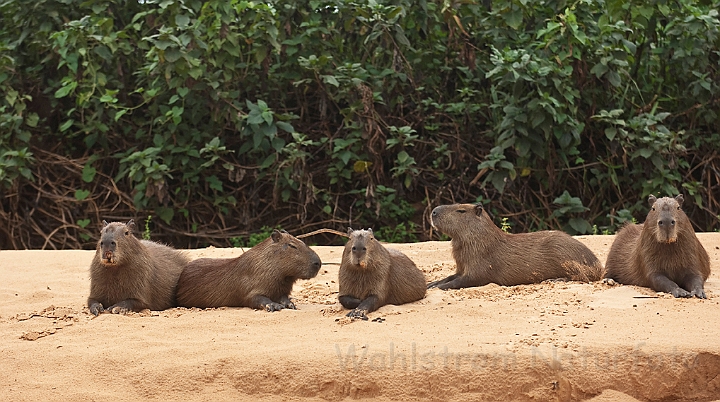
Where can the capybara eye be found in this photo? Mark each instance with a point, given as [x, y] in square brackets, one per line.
[653, 208]
[293, 246]
[462, 211]
[127, 233]
[354, 248]
[678, 208]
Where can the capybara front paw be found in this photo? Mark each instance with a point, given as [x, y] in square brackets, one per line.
[358, 314]
[274, 307]
[96, 308]
[680, 292]
[287, 303]
[699, 293]
[117, 310]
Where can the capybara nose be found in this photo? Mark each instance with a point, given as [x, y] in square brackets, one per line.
[666, 222]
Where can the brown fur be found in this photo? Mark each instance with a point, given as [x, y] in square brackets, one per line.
[261, 278]
[663, 253]
[128, 274]
[372, 276]
[485, 254]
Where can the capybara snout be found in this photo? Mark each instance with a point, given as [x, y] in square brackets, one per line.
[667, 212]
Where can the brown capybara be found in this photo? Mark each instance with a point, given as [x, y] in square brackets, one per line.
[662, 254]
[485, 254]
[260, 278]
[372, 276]
[128, 274]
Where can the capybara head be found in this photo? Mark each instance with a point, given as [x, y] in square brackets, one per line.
[294, 254]
[356, 247]
[110, 235]
[663, 218]
[457, 220]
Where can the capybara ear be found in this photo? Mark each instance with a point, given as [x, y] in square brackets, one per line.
[350, 230]
[652, 200]
[276, 236]
[284, 231]
[478, 209]
[104, 224]
[131, 225]
[679, 198]
[370, 231]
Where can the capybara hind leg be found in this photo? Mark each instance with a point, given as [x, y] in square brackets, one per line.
[695, 284]
[661, 283]
[95, 307]
[368, 305]
[261, 302]
[461, 282]
[441, 281]
[126, 306]
[349, 302]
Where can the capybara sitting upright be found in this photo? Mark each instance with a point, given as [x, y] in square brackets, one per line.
[261, 278]
[372, 276]
[663, 253]
[485, 254]
[128, 274]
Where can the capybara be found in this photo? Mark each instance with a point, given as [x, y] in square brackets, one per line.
[128, 274]
[372, 276]
[485, 254]
[662, 254]
[260, 278]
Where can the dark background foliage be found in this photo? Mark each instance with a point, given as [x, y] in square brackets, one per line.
[220, 119]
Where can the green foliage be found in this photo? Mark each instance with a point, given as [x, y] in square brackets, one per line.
[401, 233]
[224, 114]
[146, 232]
[254, 238]
[505, 226]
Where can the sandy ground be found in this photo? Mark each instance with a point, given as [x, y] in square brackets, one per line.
[552, 341]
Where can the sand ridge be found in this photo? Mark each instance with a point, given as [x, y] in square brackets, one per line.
[549, 341]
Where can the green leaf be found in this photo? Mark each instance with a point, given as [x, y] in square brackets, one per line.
[330, 79]
[120, 113]
[32, 119]
[580, 225]
[287, 127]
[599, 69]
[214, 183]
[83, 223]
[614, 78]
[513, 18]
[88, 173]
[182, 20]
[103, 52]
[268, 161]
[610, 133]
[81, 194]
[164, 213]
[66, 125]
[65, 90]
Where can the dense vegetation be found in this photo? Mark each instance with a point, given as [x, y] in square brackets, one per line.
[224, 118]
